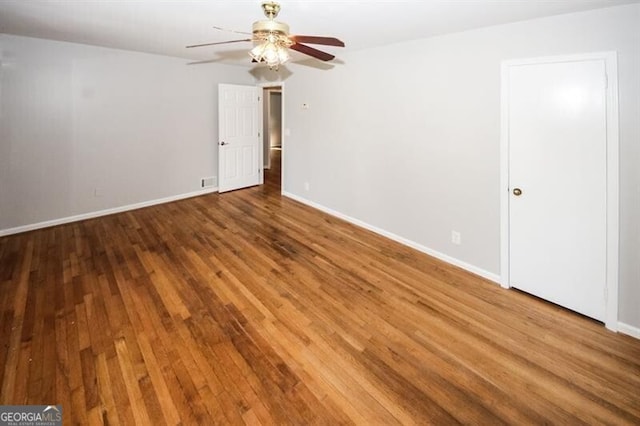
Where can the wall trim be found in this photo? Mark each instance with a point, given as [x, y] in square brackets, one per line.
[441, 256]
[629, 330]
[92, 215]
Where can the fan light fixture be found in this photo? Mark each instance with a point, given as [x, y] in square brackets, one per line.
[271, 37]
[272, 40]
[272, 49]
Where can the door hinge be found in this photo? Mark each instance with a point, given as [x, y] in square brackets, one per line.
[258, 98]
[606, 81]
[258, 134]
[606, 294]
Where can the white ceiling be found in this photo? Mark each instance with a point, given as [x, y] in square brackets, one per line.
[166, 27]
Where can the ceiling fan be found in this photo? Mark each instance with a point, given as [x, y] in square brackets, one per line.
[272, 40]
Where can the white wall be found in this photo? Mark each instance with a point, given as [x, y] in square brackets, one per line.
[85, 128]
[406, 137]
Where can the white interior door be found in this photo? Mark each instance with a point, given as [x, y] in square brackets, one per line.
[557, 154]
[239, 144]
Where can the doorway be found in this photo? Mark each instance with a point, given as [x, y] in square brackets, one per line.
[273, 135]
[559, 201]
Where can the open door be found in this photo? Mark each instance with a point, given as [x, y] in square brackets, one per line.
[239, 139]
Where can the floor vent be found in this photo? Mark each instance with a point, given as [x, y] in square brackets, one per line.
[208, 182]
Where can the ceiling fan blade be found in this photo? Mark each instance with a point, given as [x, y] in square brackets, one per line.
[220, 42]
[231, 31]
[328, 41]
[308, 50]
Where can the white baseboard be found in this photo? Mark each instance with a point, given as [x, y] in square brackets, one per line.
[629, 330]
[445, 258]
[91, 215]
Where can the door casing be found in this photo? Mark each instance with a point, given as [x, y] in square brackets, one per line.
[612, 203]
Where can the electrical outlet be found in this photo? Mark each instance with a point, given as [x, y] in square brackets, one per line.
[456, 238]
[306, 186]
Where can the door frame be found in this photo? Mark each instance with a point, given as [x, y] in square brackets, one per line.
[266, 113]
[284, 132]
[612, 208]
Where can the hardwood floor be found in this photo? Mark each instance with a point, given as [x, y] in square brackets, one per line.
[248, 307]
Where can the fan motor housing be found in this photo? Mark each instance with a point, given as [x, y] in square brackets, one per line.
[269, 26]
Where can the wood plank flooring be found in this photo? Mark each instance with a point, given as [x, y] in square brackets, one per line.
[250, 308]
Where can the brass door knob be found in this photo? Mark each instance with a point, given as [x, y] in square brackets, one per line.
[517, 192]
